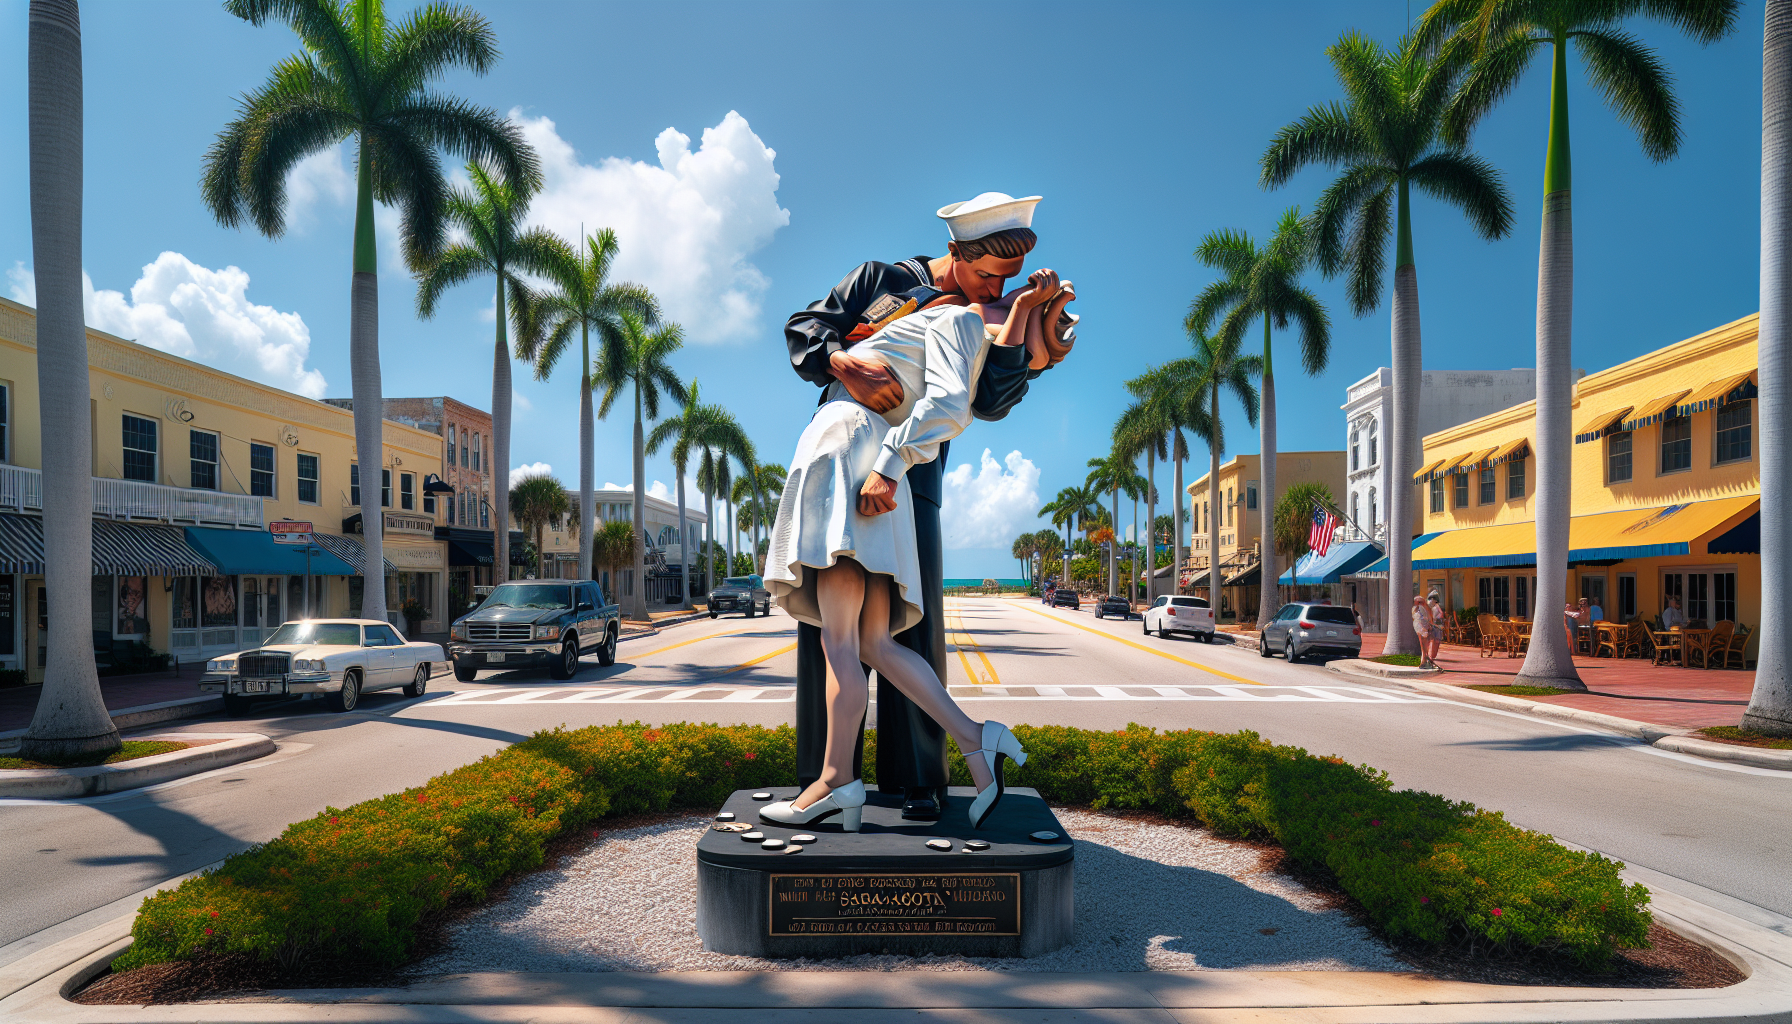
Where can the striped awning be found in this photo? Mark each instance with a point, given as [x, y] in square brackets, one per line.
[1721, 391]
[1425, 475]
[1601, 425]
[1650, 413]
[119, 549]
[1518, 449]
[1478, 460]
[348, 549]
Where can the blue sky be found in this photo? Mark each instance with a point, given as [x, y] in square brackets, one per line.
[1140, 123]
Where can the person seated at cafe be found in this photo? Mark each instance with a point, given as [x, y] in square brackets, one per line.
[1597, 612]
[1671, 616]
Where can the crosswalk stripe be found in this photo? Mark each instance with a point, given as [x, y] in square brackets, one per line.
[1215, 692]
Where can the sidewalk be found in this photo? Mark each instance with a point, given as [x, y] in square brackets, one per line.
[18, 703]
[1633, 688]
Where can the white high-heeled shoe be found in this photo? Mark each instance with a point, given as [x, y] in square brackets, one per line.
[848, 802]
[998, 745]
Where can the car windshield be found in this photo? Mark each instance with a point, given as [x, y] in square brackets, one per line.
[527, 595]
[1188, 602]
[738, 581]
[321, 634]
[1321, 613]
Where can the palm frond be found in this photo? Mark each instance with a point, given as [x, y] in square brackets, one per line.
[1324, 135]
[1636, 85]
[1472, 185]
[456, 264]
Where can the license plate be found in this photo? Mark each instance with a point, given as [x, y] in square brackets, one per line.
[255, 686]
[1331, 632]
[495, 658]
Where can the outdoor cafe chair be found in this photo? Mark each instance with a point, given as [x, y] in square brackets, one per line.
[1716, 641]
[1493, 634]
[1735, 654]
[1617, 640]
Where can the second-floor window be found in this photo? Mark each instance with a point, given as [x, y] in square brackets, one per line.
[1228, 506]
[139, 448]
[407, 491]
[485, 515]
[1487, 485]
[1461, 488]
[1515, 480]
[1733, 432]
[5, 422]
[354, 484]
[308, 484]
[385, 488]
[1250, 496]
[1355, 463]
[1372, 444]
[261, 470]
[1437, 494]
[202, 453]
[478, 450]
[1617, 458]
[451, 444]
[1676, 444]
[1372, 511]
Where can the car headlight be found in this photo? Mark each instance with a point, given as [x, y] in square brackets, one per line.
[547, 632]
[308, 665]
[458, 631]
[221, 665]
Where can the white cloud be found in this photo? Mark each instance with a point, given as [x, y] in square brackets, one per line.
[608, 486]
[319, 179]
[519, 402]
[201, 314]
[986, 508]
[658, 489]
[687, 226]
[517, 474]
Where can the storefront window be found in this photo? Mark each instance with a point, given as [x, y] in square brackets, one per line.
[415, 590]
[185, 612]
[132, 610]
[218, 601]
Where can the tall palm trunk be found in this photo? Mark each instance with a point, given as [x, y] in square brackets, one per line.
[1770, 706]
[1176, 518]
[71, 719]
[759, 520]
[1550, 662]
[1267, 598]
[364, 365]
[1064, 580]
[709, 541]
[638, 606]
[684, 544]
[1213, 521]
[587, 448]
[1114, 541]
[1151, 524]
[500, 454]
[1403, 444]
[1133, 569]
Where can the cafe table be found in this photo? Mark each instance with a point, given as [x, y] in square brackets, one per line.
[1670, 644]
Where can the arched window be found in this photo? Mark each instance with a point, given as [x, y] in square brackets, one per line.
[1356, 512]
[477, 450]
[1372, 443]
[451, 444]
[1354, 461]
[1372, 511]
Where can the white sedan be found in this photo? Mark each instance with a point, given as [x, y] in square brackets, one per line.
[339, 658]
[1189, 615]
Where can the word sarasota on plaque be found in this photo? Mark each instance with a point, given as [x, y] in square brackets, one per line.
[908, 904]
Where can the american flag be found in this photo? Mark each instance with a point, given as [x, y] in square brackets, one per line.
[1319, 538]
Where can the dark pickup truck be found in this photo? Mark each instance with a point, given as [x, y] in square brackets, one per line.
[740, 594]
[535, 623]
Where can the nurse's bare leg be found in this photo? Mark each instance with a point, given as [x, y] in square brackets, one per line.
[839, 593]
[911, 674]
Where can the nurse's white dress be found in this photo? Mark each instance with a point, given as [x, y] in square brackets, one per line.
[937, 355]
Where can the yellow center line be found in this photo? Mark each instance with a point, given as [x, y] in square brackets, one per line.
[755, 661]
[1143, 647]
[687, 643]
[963, 631]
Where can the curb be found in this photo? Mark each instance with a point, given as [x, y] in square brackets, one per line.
[144, 714]
[34, 990]
[62, 783]
[1759, 757]
[653, 629]
[1364, 666]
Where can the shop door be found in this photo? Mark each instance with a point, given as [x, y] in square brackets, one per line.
[261, 607]
[1593, 589]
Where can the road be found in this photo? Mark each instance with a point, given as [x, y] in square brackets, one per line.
[1714, 832]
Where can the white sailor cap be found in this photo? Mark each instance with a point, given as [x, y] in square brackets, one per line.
[987, 214]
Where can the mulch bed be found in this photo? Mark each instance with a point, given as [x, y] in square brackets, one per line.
[1671, 961]
[1739, 738]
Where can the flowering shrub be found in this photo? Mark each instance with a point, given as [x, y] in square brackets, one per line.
[354, 884]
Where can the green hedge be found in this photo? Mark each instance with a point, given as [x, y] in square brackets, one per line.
[354, 884]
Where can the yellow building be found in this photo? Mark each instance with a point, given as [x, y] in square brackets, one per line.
[1240, 521]
[190, 464]
[1665, 499]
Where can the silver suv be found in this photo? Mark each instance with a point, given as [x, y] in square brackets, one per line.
[1299, 630]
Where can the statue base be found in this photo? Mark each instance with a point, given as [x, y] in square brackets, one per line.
[883, 889]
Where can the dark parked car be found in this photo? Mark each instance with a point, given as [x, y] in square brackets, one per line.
[740, 594]
[535, 623]
[1299, 630]
[1119, 606]
[1064, 597]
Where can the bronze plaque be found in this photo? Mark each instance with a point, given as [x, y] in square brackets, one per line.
[921, 903]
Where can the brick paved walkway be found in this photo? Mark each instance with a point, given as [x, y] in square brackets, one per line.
[1630, 688]
[18, 703]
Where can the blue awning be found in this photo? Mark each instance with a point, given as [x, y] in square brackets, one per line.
[1381, 565]
[254, 553]
[1341, 560]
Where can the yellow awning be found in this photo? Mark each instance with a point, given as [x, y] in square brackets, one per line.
[1450, 464]
[1596, 428]
[1479, 459]
[1633, 533]
[1650, 412]
[1425, 474]
[1714, 392]
[1511, 450]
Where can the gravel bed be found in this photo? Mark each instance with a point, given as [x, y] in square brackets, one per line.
[1149, 897]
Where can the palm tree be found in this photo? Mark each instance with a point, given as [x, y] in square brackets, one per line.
[491, 213]
[714, 478]
[71, 721]
[636, 357]
[1264, 283]
[613, 547]
[539, 502]
[1047, 545]
[769, 479]
[1770, 705]
[584, 301]
[1069, 506]
[1388, 139]
[1114, 474]
[364, 77]
[1495, 41]
[1293, 521]
[688, 432]
[1142, 428]
[1022, 551]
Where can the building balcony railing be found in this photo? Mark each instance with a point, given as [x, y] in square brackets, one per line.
[22, 490]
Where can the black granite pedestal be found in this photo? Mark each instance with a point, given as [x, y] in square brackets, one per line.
[883, 889]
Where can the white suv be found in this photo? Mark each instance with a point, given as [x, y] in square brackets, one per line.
[1168, 615]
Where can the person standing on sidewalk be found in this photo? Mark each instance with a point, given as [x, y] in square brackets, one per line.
[1421, 625]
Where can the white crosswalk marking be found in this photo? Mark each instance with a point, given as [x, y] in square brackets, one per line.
[699, 694]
